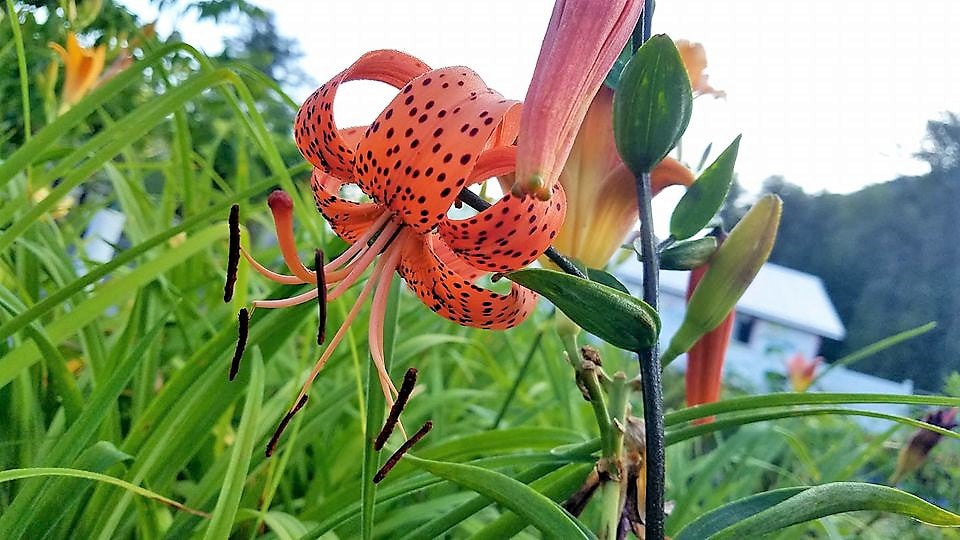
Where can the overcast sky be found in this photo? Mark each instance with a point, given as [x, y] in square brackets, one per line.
[831, 94]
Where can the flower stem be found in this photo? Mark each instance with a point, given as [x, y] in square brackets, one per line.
[650, 377]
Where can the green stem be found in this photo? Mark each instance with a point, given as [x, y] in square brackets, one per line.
[613, 490]
[587, 375]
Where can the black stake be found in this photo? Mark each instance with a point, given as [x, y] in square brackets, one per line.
[395, 457]
[409, 381]
[243, 320]
[321, 296]
[272, 445]
[233, 255]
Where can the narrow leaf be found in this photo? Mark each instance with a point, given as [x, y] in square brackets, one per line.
[532, 506]
[837, 498]
[615, 317]
[704, 198]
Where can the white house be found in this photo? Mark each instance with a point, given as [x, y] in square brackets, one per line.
[783, 312]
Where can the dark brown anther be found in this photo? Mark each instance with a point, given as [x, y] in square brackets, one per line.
[321, 296]
[272, 445]
[233, 256]
[243, 320]
[409, 381]
[404, 448]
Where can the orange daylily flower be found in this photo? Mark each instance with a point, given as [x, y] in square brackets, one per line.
[704, 377]
[695, 60]
[82, 68]
[601, 189]
[444, 131]
[583, 39]
[802, 371]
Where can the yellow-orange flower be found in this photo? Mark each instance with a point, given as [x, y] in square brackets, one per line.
[695, 60]
[82, 68]
[802, 371]
[601, 194]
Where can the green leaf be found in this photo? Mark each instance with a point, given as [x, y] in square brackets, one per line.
[763, 401]
[704, 198]
[606, 278]
[830, 499]
[532, 506]
[728, 515]
[615, 317]
[229, 501]
[688, 255]
[652, 106]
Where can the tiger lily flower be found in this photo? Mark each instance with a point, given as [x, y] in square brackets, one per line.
[82, 69]
[802, 371]
[704, 377]
[445, 130]
[583, 39]
[695, 60]
[601, 189]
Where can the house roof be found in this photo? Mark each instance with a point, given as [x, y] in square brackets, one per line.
[778, 294]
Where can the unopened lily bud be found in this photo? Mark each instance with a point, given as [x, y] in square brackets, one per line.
[732, 269]
[914, 453]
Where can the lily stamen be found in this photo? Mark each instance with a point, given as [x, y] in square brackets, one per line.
[243, 320]
[404, 448]
[233, 255]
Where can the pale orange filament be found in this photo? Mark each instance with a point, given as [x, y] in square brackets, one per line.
[270, 274]
[378, 269]
[356, 269]
[286, 302]
[330, 268]
[377, 311]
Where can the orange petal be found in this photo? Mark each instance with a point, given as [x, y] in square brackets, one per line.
[347, 218]
[419, 153]
[583, 39]
[316, 131]
[509, 235]
[454, 296]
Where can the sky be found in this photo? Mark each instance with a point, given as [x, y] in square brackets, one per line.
[833, 95]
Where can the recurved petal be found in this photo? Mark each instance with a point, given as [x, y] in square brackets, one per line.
[316, 131]
[446, 286]
[420, 152]
[509, 235]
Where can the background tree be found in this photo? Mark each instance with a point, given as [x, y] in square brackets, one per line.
[889, 258]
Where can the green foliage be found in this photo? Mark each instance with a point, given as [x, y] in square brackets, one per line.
[116, 416]
[703, 199]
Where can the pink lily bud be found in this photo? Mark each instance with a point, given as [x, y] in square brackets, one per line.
[583, 39]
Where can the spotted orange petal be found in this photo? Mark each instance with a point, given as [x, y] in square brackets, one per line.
[419, 153]
[434, 277]
[509, 235]
[315, 130]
